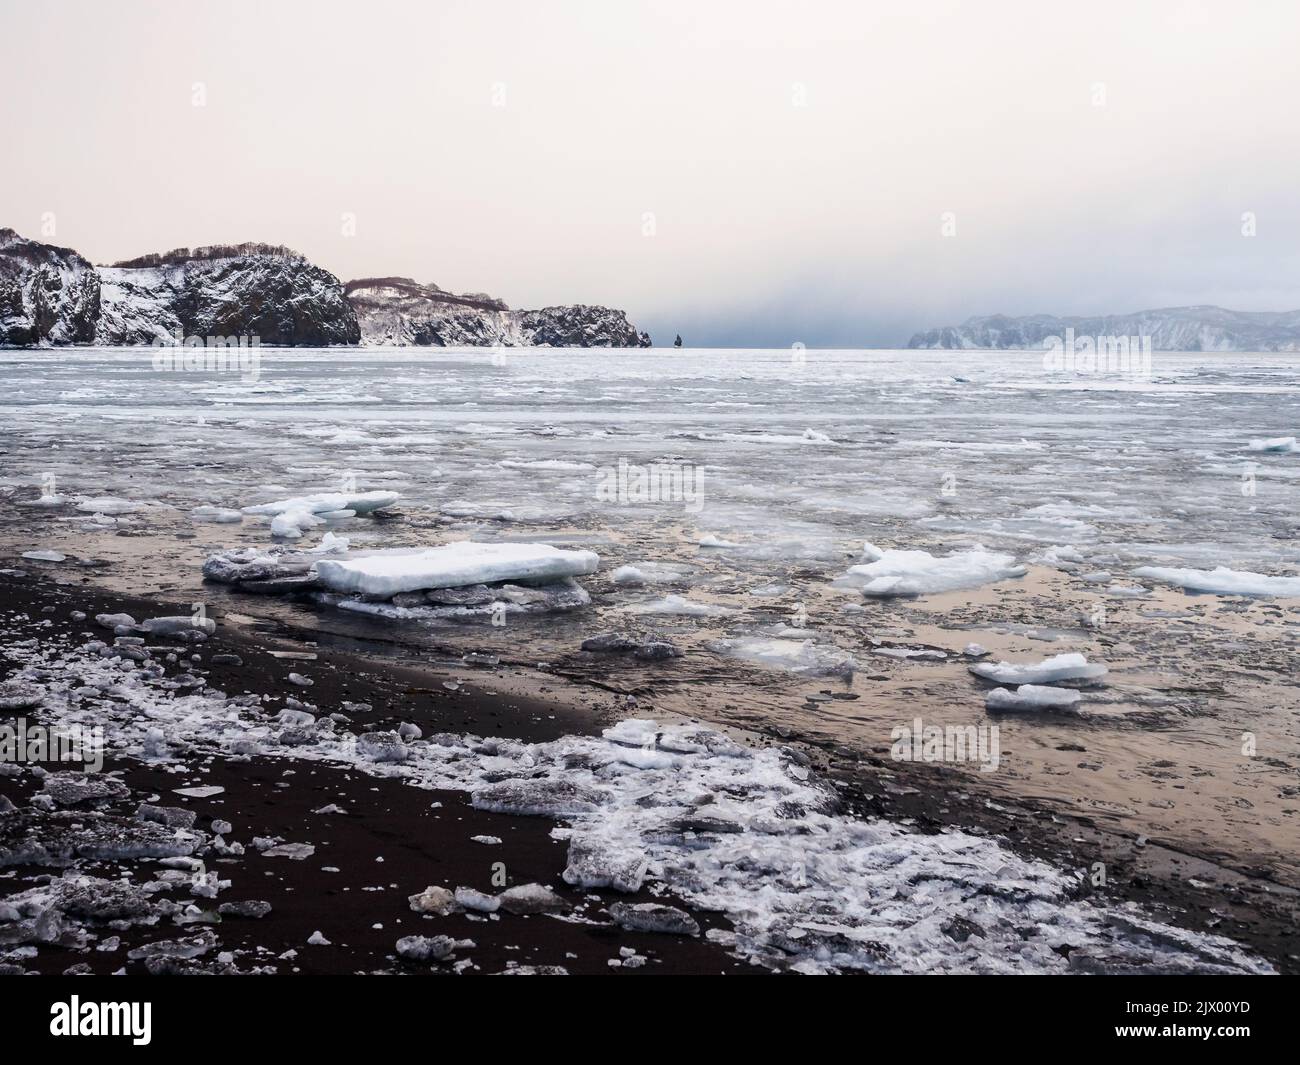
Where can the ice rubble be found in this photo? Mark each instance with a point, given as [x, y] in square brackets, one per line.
[1222, 581]
[895, 573]
[452, 566]
[1031, 697]
[1071, 666]
[746, 832]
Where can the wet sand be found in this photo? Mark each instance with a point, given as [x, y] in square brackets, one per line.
[420, 844]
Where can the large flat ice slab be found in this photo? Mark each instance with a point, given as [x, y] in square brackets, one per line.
[453, 566]
[1222, 581]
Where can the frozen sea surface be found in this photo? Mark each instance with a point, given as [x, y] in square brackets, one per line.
[810, 448]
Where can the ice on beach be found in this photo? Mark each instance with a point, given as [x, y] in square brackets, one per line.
[1222, 581]
[292, 517]
[713, 540]
[217, 515]
[796, 656]
[45, 556]
[1031, 697]
[453, 565]
[1070, 666]
[745, 832]
[1275, 443]
[676, 605]
[898, 573]
[642, 573]
[108, 505]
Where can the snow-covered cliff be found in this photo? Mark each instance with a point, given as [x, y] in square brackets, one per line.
[48, 295]
[1170, 329]
[52, 296]
[399, 311]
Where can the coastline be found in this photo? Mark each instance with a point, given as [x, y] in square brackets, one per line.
[394, 841]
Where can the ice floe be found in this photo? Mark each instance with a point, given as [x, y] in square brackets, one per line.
[292, 517]
[1222, 581]
[1031, 697]
[453, 565]
[796, 656]
[1070, 666]
[898, 573]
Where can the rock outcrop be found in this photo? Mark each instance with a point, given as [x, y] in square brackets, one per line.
[51, 296]
[1171, 329]
[48, 295]
[400, 311]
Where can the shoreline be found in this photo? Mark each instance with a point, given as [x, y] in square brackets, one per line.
[1251, 911]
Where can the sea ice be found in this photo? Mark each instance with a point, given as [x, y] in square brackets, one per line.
[1072, 666]
[894, 573]
[1275, 443]
[679, 606]
[1222, 581]
[452, 565]
[1031, 697]
[45, 556]
[797, 656]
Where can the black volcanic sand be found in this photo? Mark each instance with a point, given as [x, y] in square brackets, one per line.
[393, 841]
[421, 844]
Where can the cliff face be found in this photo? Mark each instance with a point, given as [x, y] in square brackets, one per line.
[399, 311]
[281, 299]
[53, 296]
[48, 295]
[1171, 329]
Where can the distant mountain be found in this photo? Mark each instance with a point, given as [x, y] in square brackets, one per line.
[51, 296]
[398, 310]
[1170, 329]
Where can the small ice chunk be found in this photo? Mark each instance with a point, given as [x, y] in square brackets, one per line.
[1274, 443]
[679, 606]
[896, 573]
[217, 515]
[108, 505]
[538, 798]
[470, 899]
[1031, 697]
[653, 917]
[433, 900]
[200, 791]
[45, 556]
[531, 898]
[1072, 666]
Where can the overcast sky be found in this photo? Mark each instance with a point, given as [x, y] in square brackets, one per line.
[739, 172]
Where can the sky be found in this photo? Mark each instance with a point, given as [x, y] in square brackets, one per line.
[741, 172]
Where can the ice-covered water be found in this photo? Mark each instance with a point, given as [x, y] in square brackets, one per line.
[813, 448]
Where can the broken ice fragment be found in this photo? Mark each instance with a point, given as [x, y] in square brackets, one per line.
[653, 917]
[1073, 666]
